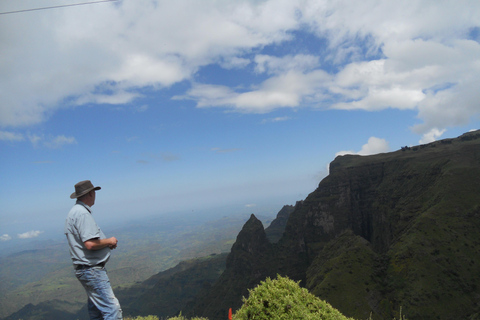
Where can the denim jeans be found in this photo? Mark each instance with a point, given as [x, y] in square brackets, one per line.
[102, 303]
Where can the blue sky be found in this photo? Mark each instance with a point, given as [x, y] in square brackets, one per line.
[180, 106]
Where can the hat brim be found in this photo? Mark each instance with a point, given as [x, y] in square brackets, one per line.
[75, 195]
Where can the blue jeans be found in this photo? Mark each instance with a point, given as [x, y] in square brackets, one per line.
[102, 303]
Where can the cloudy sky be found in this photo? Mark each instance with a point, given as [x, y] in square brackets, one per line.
[175, 106]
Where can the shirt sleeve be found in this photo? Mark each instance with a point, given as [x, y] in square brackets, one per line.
[87, 227]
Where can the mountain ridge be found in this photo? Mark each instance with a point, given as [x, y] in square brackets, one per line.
[388, 231]
[380, 234]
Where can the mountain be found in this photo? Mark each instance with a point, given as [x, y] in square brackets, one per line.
[168, 293]
[53, 309]
[276, 228]
[380, 234]
[33, 277]
[247, 264]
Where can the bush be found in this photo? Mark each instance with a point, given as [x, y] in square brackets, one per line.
[283, 298]
[180, 317]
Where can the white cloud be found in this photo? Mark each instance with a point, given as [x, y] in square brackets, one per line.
[29, 234]
[234, 63]
[60, 141]
[117, 97]
[11, 136]
[373, 146]
[431, 136]
[438, 80]
[387, 21]
[419, 62]
[424, 45]
[35, 139]
[372, 86]
[50, 141]
[127, 45]
[411, 54]
[142, 108]
[276, 119]
[276, 65]
[5, 237]
[282, 91]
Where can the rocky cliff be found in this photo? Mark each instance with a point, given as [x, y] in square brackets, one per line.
[276, 228]
[380, 233]
[248, 263]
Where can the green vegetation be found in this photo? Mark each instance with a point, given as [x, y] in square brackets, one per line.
[278, 299]
[168, 292]
[183, 318]
[156, 318]
[284, 299]
[46, 274]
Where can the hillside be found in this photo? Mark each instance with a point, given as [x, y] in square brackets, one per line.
[40, 280]
[379, 233]
[168, 293]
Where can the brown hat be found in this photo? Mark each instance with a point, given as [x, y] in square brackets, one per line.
[82, 188]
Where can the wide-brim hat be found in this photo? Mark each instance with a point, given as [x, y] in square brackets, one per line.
[82, 188]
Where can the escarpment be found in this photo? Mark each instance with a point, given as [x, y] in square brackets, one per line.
[379, 233]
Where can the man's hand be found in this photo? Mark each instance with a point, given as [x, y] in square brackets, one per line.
[97, 244]
[113, 243]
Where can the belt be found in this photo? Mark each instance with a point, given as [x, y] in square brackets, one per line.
[85, 266]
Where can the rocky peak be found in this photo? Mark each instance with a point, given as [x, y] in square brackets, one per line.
[251, 242]
[277, 227]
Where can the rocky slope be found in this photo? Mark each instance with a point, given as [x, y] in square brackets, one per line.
[380, 233]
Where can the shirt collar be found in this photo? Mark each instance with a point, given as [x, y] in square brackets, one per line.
[83, 204]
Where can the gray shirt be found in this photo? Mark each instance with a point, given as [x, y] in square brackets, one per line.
[80, 227]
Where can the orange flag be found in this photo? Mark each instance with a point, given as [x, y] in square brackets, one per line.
[230, 314]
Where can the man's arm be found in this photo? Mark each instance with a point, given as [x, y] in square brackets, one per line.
[97, 244]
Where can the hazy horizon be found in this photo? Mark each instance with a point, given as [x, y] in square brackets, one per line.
[174, 106]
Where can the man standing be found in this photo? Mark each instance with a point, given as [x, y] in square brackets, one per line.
[90, 251]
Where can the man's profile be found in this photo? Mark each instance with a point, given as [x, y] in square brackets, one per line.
[90, 251]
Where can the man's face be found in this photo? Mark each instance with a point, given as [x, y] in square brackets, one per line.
[93, 195]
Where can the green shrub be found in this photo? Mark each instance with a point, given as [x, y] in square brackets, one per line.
[279, 299]
[283, 298]
[180, 317]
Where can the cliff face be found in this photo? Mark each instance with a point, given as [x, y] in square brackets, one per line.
[382, 232]
[376, 197]
[248, 263]
[277, 227]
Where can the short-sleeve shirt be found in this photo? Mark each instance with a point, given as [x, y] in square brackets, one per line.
[80, 227]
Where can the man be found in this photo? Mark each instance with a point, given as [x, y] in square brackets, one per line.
[90, 251]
